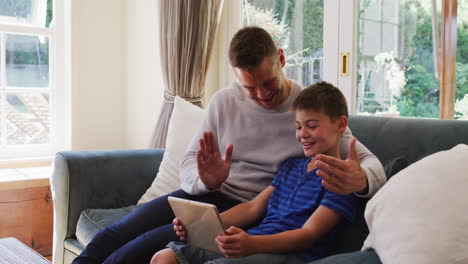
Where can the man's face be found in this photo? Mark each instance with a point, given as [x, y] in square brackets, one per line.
[318, 133]
[265, 84]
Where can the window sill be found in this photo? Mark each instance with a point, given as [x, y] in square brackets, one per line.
[21, 178]
[45, 161]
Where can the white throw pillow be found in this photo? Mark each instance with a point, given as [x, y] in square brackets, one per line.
[185, 121]
[421, 214]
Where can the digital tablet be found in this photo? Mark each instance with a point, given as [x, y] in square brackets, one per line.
[201, 221]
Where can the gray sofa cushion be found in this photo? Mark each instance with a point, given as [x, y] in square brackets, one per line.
[72, 249]
[93, 220]
[73, 246]
[395, 165]
[412, 138]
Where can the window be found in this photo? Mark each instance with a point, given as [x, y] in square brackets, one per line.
[297, 27]
[28, 89]
[396, 68]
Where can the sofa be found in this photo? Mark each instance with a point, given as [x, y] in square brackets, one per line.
[112, 181]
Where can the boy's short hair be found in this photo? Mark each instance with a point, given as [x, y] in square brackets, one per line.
[250, 46]
[322, 97]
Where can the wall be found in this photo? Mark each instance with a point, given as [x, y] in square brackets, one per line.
[145, 84]
[117, 84]
[220, 73]
[98, 113]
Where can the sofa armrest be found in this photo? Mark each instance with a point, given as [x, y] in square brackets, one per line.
[98, 179]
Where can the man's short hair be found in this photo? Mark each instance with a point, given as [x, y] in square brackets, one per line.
[250, 46]
[322, 97]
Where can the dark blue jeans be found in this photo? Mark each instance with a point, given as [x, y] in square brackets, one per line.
[357, 257]
[143, 232]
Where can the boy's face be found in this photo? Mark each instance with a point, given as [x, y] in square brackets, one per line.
[318, 133]
[266, 84]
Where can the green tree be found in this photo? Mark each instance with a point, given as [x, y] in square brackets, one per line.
[462, 80]
[313, 25]
[420, 96]
[312, 20]
[49, 13]
[285, 11]
[462, 41]
[462, 60]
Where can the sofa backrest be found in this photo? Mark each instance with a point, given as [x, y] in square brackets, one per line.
[413, 138]
[390, 138]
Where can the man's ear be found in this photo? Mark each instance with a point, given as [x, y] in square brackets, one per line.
[282, 58]
[342, 123]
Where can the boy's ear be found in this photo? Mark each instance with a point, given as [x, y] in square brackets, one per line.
[342, 123]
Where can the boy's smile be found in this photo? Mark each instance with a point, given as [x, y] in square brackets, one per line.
[307, 145]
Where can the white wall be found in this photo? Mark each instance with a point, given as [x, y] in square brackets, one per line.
[220, 73]
[145, 84]
[117, 84]
[98, 118]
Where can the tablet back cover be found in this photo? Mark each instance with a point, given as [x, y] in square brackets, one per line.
[201, 220]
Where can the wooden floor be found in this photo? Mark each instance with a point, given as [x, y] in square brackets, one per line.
[26, 213]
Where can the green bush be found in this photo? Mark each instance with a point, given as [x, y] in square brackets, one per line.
[422, 87]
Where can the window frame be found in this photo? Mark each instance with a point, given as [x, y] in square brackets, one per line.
[447, 60]
[58, 88]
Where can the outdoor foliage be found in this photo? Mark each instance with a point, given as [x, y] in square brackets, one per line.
[296, 29]
[462, 59]
[27, 57]
[312, 22]
[268, 20]
[420, 96]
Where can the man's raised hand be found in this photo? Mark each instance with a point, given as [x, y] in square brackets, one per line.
[212, 169]
[342, 176]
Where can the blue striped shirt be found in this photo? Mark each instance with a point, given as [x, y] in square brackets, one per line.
[297, 195]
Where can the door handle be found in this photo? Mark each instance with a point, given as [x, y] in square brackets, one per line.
[344, 64]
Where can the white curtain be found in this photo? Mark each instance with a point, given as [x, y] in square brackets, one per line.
[187, 33]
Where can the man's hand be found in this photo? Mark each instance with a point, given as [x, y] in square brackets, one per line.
[342, 176]
[180, 229]
[235, 244]
[212, 169]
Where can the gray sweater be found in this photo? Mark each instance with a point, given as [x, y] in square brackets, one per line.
[263, 139]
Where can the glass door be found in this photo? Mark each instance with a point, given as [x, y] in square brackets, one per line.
[397, 58]
[380, 53]
[297, 26]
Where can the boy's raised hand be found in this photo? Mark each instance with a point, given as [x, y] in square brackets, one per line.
[212, 169]
[235, 244]
[342, 176]
[180, 229]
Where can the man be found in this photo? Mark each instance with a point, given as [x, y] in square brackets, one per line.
[253, 116]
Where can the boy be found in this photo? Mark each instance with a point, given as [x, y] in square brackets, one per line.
[300, 215]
